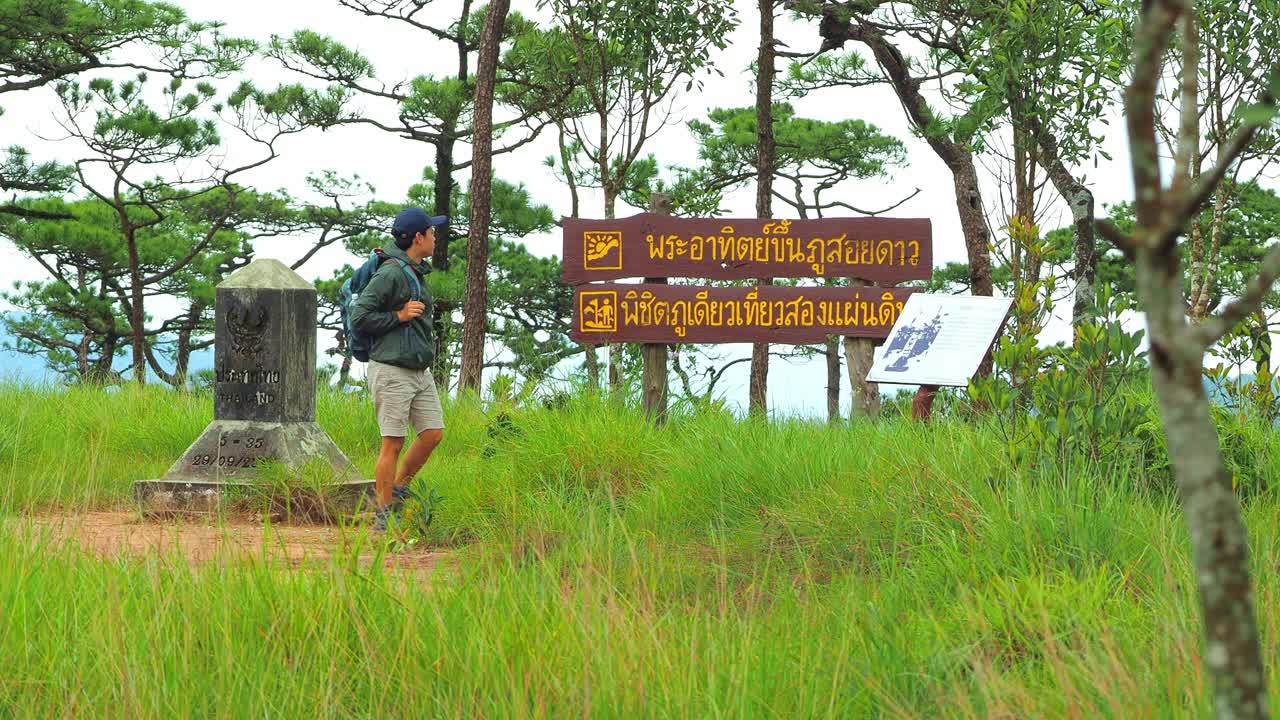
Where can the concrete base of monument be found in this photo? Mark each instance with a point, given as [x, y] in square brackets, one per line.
[170, 497]
[264, 464]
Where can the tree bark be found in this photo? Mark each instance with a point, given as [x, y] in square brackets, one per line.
[832, 353]
[344, 372]
[653, 386]
[1219, 540]
[182, 363]
[475, 306]
[615, 349]
[836, 29]
[137, 318]
[922, 403]
[859, 353]
[766, 159]
[592, 363]
[1080, 199]
[442, 309]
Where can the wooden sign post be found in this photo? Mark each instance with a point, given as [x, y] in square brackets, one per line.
[656, 246]
[940, 341]
[653, 385]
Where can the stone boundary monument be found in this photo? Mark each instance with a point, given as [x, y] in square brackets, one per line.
[265, 396]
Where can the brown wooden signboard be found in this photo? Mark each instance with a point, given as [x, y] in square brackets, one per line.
[650, 313]
[883, 250]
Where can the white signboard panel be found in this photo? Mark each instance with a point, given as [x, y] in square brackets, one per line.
[939, 340]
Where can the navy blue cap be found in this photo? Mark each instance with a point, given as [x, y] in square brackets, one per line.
[411, 221]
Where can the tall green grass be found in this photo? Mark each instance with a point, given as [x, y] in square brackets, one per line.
[708, 568]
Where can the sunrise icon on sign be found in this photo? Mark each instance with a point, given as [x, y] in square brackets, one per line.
[602, 250]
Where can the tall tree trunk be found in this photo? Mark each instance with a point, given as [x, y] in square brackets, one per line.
[837, 28]
[104, 368]
[653, 386]
[766, 159]
[82, 355]
[1203, 283]
[832, 352]
[183, 356]
[475, 306]
[344, 372]
[859, 354]
[1080, 199]
[441, 310]
[1219, 540]
[1024, 189]
[615, 349]
[592, 364]
[137, 318]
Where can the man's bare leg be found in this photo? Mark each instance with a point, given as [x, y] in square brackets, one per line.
[419, 452]
[384, 472]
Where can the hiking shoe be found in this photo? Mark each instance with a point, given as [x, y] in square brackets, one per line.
[380, 518]
[399, 495]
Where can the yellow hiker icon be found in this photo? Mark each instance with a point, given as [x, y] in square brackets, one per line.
[598, 311]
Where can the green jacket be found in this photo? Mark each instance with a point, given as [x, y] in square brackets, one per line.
[408, 345]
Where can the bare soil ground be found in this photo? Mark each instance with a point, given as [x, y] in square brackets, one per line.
[200, 541]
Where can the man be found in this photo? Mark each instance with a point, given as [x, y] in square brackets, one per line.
[392, 310]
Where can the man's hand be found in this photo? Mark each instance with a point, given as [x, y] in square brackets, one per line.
[411, 310]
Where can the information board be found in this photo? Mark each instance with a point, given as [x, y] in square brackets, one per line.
[939, 340]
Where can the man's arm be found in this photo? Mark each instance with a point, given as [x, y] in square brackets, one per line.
[371, 314]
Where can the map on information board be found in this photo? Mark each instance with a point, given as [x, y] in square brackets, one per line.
[939, 340]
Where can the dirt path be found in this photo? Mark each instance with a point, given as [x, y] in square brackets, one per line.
[112, 534]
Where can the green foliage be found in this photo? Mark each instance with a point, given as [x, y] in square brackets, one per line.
[1063, 408]
[652, 44]
[325, 52]
[430, 108]
[828, 70]
[1052, 62]
[1249, 225]
[627, 59]
[1255, 397]
[48, 40]
[694, 192]
[19, 173]
[540, 74]
[705, 569]
[813, 156]
[75, 318]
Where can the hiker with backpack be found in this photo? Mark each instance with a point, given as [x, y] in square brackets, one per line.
[390, 326]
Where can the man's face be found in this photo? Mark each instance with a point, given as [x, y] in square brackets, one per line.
[428, 240]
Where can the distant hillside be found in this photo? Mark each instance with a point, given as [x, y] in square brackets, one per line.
[31, 368]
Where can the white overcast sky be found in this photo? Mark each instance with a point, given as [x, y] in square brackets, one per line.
[392, 164]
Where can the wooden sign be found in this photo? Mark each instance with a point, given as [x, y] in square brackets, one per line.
[651, 313]
[883, 250]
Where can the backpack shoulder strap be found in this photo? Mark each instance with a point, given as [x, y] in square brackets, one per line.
[415, 288]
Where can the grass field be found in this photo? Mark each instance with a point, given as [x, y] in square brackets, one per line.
[709, 568]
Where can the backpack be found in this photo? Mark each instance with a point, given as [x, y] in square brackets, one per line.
[358, 343]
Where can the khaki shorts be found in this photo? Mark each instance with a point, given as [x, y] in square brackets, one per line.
[402, 396]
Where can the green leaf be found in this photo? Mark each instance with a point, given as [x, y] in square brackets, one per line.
[1258, 114]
